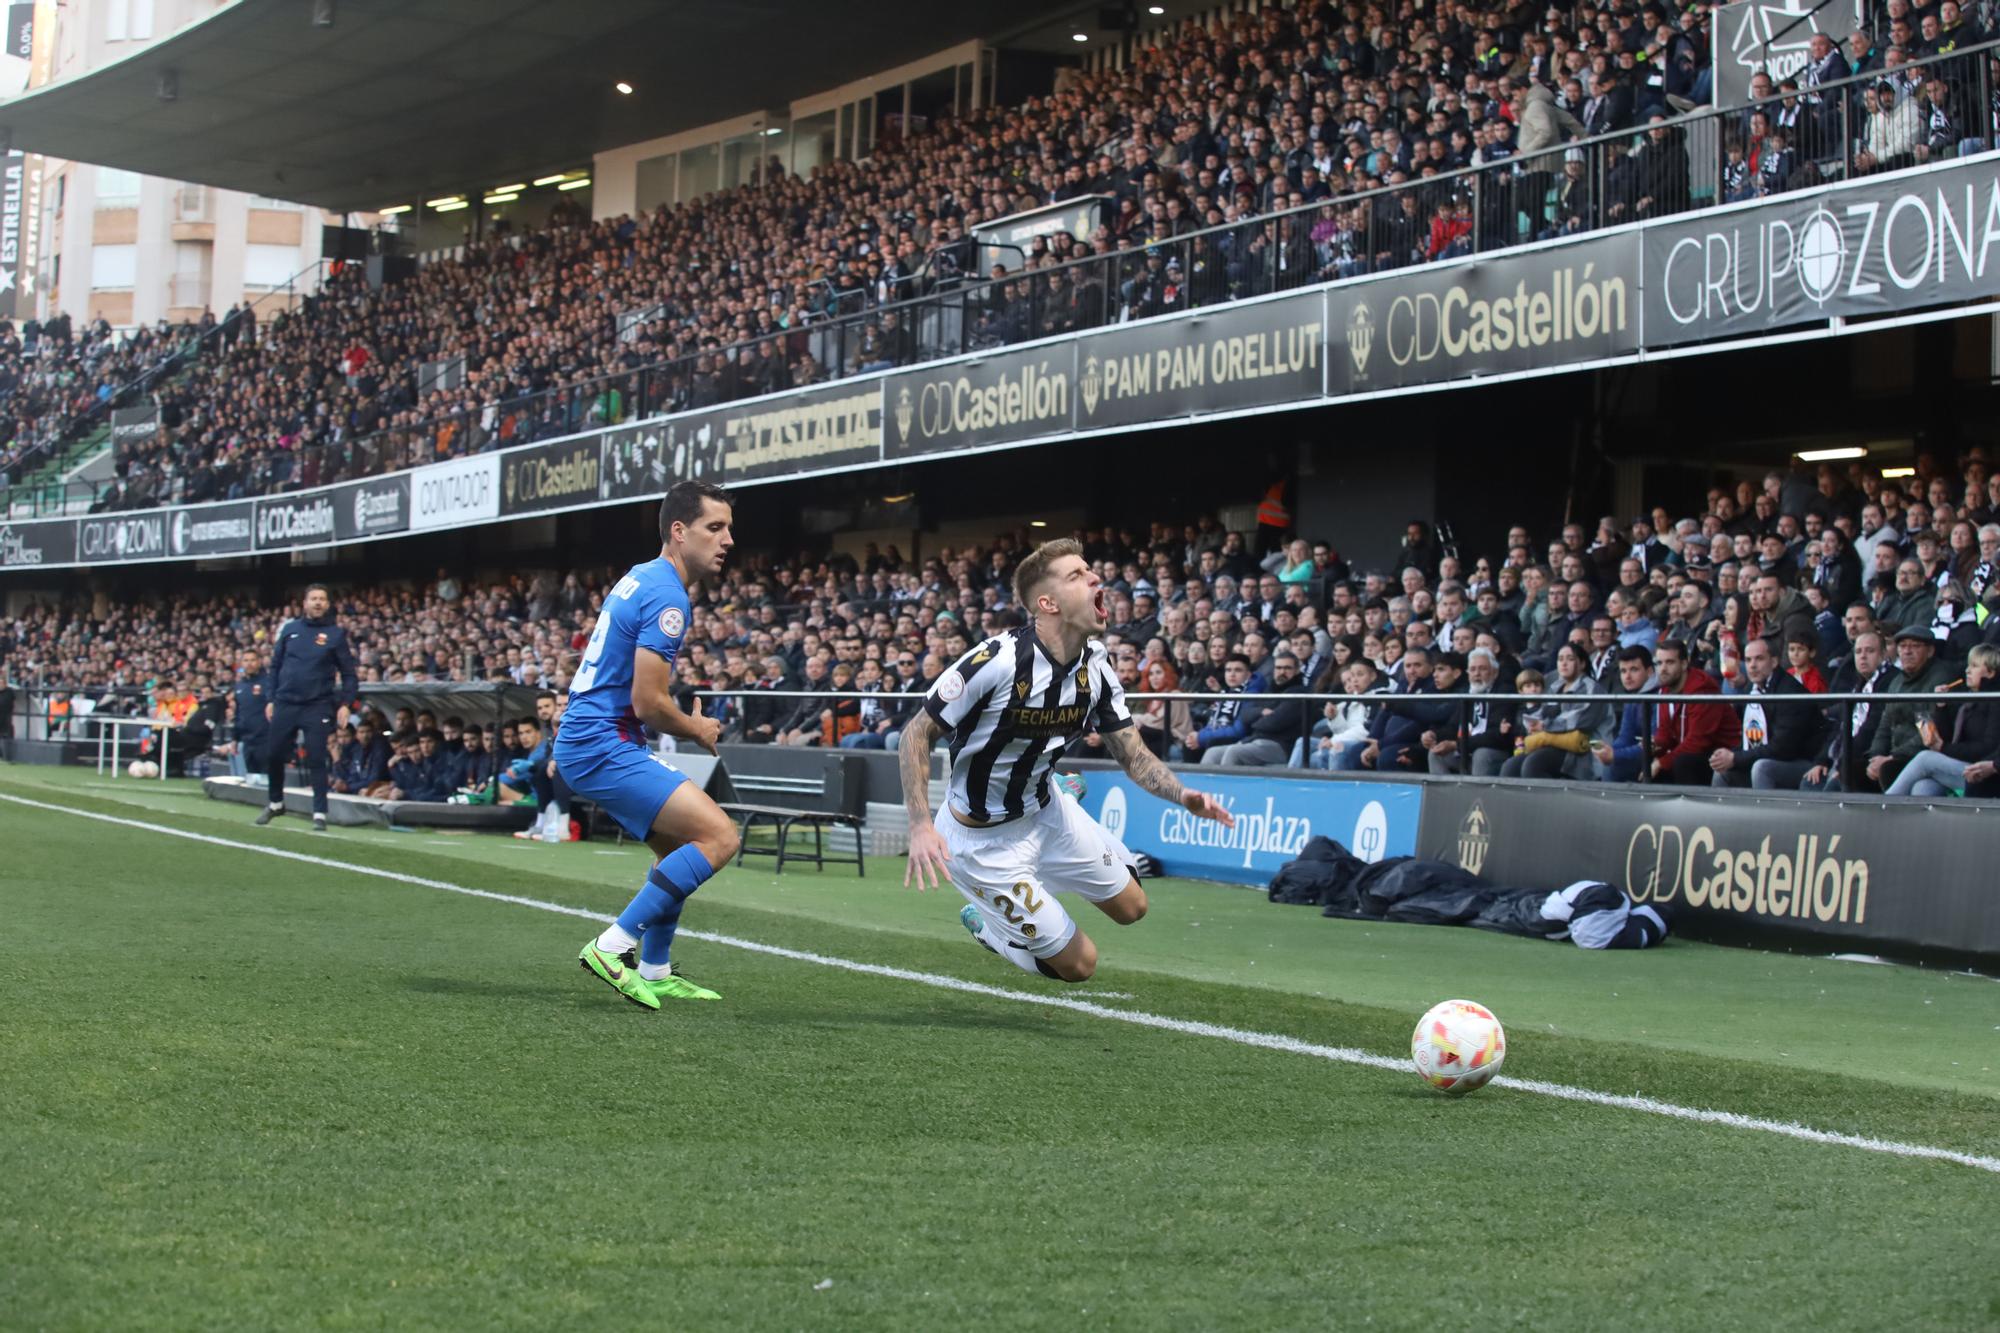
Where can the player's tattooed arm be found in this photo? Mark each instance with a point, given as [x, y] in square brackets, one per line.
[1145, 768]
[929, 866]
[915, 757]
[1143, 765]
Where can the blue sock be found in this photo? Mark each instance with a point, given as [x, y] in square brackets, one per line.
[645, 908]
[678, 874]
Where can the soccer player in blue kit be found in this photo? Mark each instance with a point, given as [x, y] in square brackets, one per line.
[622, 688]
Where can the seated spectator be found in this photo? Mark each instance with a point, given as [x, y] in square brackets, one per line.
[1686, 734]
[1340, 736]
[1902, 734]
[1161, 721]
[1481, 739]
[1227, 721]
[1620, 757]
[1396, 733]
[1273, 721]
[1962, 749]
[1778, 726]
[1559, 733]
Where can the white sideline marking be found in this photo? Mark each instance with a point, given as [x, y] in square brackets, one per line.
[1269, 1041]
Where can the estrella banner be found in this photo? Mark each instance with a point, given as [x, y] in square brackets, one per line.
[1275, 817]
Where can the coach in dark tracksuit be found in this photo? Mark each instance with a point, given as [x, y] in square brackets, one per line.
[312, 675]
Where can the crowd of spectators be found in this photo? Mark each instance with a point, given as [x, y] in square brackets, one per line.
[1269, 111]
[1803, 583]
[53, 379]
[783, 282]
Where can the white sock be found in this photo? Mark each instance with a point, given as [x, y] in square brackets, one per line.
[275, 805]
[654, 971]
[617, 940]
[1014, 954]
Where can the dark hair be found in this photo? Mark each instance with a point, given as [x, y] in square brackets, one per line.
[1674, 646]
[312, 588]
[683, 504]
[1636, 653]
[1235, 658]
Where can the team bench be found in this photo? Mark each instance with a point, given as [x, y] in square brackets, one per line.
[784, 820]
[783, 791]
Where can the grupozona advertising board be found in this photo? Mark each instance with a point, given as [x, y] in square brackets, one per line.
[1879, 246]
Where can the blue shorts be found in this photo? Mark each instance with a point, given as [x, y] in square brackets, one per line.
[626, 781]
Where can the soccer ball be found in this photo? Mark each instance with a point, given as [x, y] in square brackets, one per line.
[1071, 783]
[136, 769]
[1458, 1047]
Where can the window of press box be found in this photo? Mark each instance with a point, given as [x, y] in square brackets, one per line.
[699, 168]
[813, 141]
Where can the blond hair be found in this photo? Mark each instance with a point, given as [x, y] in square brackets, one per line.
[1032, 572]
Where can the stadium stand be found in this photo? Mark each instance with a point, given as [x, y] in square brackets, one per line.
[1278, 117]
[1804, 565]
[1240, 160]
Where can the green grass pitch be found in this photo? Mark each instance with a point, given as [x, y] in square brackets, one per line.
[238, 1091]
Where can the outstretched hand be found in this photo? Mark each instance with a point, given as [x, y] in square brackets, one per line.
[928, 854]
[1201, 804]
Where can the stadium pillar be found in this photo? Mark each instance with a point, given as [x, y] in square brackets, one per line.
[1361, 497]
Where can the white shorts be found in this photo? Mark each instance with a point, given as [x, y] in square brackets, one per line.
[1011, 873]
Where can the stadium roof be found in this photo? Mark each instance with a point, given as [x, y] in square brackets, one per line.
[400, 98]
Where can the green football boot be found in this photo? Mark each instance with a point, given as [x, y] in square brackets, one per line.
[623, 979]
[674, 986]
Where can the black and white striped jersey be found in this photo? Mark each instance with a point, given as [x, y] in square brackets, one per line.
[1012, 710]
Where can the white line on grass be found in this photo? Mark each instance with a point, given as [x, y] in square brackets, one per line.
[1269, 1041]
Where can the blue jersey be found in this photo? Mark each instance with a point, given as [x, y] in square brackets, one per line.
[647, 610]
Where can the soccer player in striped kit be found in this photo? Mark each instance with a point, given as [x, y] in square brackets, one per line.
[1011, 839]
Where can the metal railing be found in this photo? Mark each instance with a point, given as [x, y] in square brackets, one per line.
[1603, 696]
[1702, 159]
[1829, 705]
